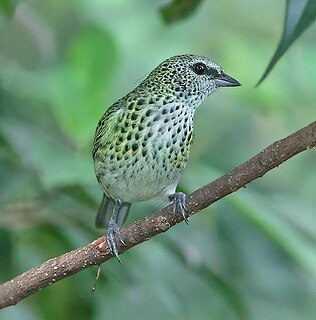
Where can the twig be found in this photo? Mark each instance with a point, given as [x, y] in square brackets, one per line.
[97, 251]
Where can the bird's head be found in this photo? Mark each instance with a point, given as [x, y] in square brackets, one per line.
[188, 76]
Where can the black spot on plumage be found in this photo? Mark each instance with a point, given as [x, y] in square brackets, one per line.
[133, 116]
[134, 146]
[156, 118]
[136, 135]
[126, 148]
[164, 111]
[129, 136]
[168, 144]
[179, 129]
[148, 112]
[141, 127]
[141, 102]
[144, 152]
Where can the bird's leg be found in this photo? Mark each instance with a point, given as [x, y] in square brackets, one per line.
[178, 200]
[113, 233]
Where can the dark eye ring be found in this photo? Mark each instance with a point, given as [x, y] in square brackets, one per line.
[200, 68]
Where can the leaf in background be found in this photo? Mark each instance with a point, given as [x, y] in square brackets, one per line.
[299, 15]
[8, 7]
[281, 233]
[5, 254]
[179, 9]
[54, 163]
[79, 86]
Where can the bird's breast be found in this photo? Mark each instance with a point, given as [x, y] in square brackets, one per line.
[149, 154]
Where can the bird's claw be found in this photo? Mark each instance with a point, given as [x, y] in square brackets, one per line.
[178, 200]
[114, 234]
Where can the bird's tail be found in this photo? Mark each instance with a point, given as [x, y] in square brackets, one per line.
[105, 212]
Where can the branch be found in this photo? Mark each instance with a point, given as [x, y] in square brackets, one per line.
[97, 252]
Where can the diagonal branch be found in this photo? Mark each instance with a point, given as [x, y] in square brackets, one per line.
[97, 251]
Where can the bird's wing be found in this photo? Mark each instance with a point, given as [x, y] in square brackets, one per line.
[105, 128]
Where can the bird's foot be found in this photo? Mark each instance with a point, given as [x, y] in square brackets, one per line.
[113, 234]
[178, 200]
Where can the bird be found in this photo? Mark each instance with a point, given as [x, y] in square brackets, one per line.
[142, 141]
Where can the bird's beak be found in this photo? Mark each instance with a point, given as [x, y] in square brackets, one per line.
[224, 80]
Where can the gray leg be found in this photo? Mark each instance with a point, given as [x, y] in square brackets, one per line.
[113, 233]
[178, 200]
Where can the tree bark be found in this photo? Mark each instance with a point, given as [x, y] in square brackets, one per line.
[97, 252]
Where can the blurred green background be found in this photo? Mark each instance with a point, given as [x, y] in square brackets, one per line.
[250, 256]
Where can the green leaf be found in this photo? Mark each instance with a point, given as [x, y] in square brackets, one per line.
[54, 163]
[282, 234]
[79, 87]
[8, 7]
[299, 15]
[5, 254]
[179, 9]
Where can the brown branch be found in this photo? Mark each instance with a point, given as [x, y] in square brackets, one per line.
[97, 251]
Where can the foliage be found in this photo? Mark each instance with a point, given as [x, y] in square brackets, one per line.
[251, 256]
[299, 15]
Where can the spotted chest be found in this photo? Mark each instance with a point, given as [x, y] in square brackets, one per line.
[150, 149]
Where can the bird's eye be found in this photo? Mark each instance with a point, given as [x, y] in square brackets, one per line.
[200, 68]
